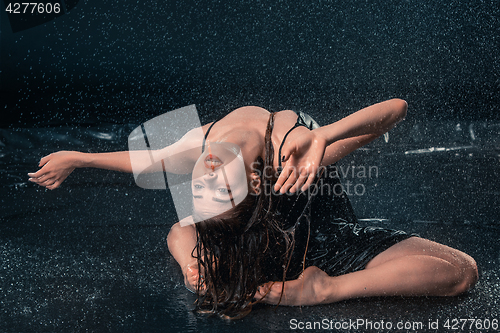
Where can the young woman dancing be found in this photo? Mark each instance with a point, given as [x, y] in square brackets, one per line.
[289, 236]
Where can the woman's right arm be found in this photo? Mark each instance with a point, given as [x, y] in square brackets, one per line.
[56, 167]
[176, 158]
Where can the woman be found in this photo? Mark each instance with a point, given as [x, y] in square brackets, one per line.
[242, 250]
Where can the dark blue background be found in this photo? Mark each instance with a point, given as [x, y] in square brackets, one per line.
[125, 62]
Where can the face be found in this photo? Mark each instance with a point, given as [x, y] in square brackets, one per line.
[219, 180]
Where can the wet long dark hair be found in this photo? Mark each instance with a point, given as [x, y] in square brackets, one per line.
[238, 250]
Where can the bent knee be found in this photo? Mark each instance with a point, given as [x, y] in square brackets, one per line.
[468, 275]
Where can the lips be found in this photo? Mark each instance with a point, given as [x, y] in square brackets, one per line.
[212, 162]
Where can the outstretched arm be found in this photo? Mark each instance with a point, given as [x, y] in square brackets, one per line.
[56, 167]
[177, 158]
[305, 150]
[360, 128]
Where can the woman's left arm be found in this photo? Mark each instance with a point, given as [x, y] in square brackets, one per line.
[374, 120]
[306, 150]
[358, 129]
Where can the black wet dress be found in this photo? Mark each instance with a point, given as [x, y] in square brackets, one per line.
[325, 228]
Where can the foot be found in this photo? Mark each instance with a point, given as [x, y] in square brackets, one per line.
[306, 290]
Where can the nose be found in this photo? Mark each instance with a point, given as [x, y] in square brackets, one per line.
[210, 176]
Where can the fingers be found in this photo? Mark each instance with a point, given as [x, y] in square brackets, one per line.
[38, 174]
[309, 181]
[285, 173]
[291, 177]
[42, 174]
[50, 183]
[287, 151]
[42, 179]
[44, 160]
[47, 179]
[52, 172]
[290, 180]
[54, 186]
[304, 175]
[193, 278]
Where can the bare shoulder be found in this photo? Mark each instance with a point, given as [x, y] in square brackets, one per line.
[249, 111]
[245, 119]
[251, 108]
[256, 113]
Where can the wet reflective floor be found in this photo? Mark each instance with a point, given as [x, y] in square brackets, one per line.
[92, 255]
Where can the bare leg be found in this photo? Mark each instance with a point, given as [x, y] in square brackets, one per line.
[413, 267]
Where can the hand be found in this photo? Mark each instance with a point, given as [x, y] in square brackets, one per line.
[55, 168]
[303, 154]
[306, 290]
[191, 277]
